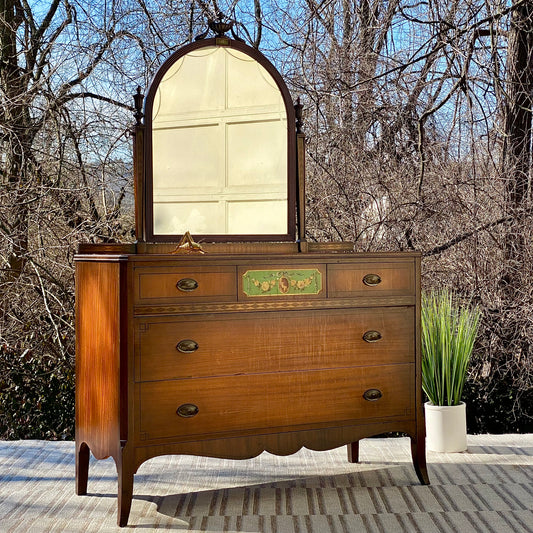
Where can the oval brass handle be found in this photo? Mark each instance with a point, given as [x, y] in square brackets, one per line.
[372, 395]
[371, 280]
[187, 410]
[187, 346]
[372, 336]
[187, 284]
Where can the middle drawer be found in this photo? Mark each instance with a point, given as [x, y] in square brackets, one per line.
[215, 345]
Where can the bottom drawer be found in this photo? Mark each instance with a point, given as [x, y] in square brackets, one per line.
[261, 401]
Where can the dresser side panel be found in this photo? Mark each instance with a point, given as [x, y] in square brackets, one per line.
[98, 357]
[420, 421]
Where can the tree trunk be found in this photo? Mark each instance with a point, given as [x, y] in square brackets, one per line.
[17, 137]
[518, 137]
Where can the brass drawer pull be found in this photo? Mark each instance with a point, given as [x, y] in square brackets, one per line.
[372, 395]
[187, 410]
[372, 336]
[187, 346]
[187, 285]
[371, 280]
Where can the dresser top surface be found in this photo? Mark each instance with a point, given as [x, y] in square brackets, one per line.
[273, 253]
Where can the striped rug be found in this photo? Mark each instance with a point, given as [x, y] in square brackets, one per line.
[487, 489]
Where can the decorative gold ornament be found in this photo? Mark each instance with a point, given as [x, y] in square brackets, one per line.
[188, 246]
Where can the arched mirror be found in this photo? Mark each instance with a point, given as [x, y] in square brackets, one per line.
[219, 156]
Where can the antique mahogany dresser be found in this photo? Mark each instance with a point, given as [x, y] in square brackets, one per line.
[244, 337]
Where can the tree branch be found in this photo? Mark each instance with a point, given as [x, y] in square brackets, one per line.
[85, 94]
[460, 238]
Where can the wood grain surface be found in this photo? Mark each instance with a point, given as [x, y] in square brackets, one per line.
[272, 342]
[98, 361]
[270, 373]
[274, 400]
[345, 280]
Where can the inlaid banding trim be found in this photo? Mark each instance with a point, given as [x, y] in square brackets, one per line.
[267, 304]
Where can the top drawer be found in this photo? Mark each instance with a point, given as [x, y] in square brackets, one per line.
[367, 279]
[172, 284]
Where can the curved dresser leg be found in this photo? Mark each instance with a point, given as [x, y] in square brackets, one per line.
[82, 468]
[353, 452]
[418, 452]
[125, 490]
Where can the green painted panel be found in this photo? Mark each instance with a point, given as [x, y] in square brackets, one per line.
[281, 282]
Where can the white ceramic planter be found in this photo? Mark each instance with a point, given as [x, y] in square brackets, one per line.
[445, 427]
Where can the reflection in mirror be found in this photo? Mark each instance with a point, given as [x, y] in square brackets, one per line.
[219, 138]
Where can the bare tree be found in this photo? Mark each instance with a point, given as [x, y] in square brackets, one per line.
[67, 72]
[418, 124]
[418, 120]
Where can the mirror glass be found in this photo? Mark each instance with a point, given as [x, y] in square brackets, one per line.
[219, 147]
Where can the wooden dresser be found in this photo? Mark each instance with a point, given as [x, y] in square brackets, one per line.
[247, 341]
[228, 356]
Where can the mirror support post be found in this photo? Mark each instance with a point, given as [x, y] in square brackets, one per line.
[138, 167]
[300, 151]
[138, 181]
[300, 157]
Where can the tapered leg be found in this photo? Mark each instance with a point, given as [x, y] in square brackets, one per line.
[353, 452]
[82, 468]
[418, 452]
[125, 491]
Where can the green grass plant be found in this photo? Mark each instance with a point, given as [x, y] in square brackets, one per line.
[449, 330]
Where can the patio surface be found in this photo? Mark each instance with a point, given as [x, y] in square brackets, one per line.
[489, 488]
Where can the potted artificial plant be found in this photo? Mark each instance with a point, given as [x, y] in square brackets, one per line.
[448, 333]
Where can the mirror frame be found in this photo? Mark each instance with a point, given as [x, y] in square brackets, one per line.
[146, 200]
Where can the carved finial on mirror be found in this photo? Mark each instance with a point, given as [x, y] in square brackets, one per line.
[188, 246]
[138, 98]
[219, 26]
